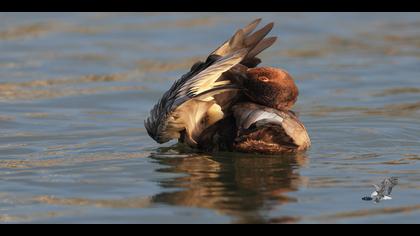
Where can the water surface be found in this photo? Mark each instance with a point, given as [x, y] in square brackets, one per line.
[76, 87]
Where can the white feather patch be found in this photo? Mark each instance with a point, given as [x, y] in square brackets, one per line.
[264, 115]
[374, 194]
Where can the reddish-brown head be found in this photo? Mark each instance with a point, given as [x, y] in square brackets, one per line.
[271, 87]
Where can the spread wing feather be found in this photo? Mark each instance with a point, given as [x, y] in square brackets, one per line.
[187, 89]
[244, 39]
[184, 106]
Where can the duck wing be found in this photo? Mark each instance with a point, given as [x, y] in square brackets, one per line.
[266, 130]
[255, 42]
[186, 103]
[189, 105]
[389, 183]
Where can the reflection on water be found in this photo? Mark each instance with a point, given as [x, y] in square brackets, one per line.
[76, 87]
[242, 186]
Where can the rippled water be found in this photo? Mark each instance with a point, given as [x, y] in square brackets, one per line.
[76, 87]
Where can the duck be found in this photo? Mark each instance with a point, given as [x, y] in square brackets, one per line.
[229, 103]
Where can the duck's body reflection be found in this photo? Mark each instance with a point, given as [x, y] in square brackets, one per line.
[244, 188]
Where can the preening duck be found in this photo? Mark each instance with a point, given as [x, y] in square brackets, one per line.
[227, 103]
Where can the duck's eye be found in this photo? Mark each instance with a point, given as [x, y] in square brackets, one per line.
[263, 79]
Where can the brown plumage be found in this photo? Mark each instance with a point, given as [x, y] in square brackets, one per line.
[228, 104]
[256, 129]
[271, 87]
[266, 130]
[189, 106]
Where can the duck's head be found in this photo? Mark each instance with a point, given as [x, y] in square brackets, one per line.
[271, 87]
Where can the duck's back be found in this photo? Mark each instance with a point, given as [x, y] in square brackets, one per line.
[256, 129]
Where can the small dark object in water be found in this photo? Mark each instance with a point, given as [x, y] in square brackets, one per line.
[367, 198]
